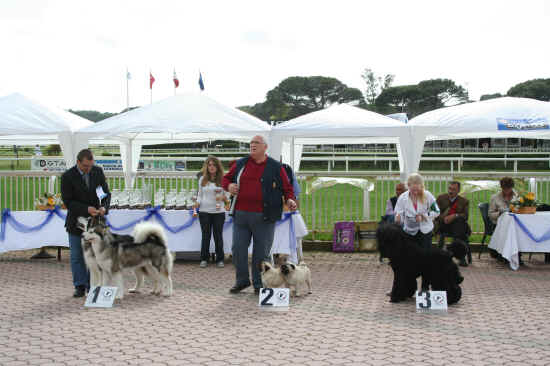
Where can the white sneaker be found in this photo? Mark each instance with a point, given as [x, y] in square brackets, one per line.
[203, 264]
[220, 265]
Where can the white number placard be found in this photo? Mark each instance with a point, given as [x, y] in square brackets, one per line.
[431, 300]
[101, 297]
[274, 297]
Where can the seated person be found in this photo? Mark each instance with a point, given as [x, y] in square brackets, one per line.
[499, 204]
[453, 220]
[390, 204]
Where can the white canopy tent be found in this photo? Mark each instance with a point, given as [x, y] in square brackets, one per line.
[24, 121]
[342, 124]
[187, 117]
[500, 118]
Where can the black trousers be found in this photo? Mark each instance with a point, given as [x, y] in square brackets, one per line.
[212, 223]
[425, 242]
[457, 229]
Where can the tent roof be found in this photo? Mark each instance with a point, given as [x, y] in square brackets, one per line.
[500, 117]
[26, 121]
[185, 117]
[340, 120]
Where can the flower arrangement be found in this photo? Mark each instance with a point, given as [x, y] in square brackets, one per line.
[48, 201]
[526, 203]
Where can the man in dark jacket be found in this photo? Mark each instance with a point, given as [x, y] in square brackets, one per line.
[85, 193]
[453, 220]
[259, 184]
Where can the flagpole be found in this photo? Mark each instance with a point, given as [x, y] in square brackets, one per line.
[127, 91]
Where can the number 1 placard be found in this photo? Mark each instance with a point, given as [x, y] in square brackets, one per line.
[101, 297]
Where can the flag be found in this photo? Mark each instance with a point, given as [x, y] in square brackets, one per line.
[176, 81]
[201, 83]
[151, 80]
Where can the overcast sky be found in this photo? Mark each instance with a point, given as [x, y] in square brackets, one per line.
[74, 54]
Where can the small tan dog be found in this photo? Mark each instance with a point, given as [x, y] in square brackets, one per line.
[272, 276]
[279, 259]
[297, 276]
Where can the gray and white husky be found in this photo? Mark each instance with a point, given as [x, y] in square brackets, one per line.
[145, 252]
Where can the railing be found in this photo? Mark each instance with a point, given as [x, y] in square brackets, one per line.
[320, 209]
[353, 163]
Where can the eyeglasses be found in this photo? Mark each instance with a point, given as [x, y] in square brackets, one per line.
[254, 142]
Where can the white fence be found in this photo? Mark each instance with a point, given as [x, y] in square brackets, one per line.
[320, 209]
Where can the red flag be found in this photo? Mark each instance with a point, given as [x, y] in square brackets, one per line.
[151, 80]
[176, 81]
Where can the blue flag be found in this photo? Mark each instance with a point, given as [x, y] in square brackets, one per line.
[201, 84]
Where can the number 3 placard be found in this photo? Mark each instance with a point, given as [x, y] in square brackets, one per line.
[274, 297]
[101, 297]
[431, 300]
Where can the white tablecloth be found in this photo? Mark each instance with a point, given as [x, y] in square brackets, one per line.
[188, 240]
[519, 233]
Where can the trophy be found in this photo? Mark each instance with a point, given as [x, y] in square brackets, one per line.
[194, 203]
[219, 198]
[159, 198]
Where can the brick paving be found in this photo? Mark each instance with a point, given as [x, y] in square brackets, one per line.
[502, 319]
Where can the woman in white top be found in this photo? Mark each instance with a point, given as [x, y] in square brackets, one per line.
[416, 209]
[211, 209]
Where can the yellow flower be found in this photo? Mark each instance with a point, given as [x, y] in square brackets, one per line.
[530, 196]
[51, 201]
[521, 200]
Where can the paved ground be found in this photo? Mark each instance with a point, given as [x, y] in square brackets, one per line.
[503, 318]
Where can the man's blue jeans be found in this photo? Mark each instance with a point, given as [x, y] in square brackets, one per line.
[247, 225]
[81, 276]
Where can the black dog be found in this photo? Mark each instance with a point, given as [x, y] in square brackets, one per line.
[459, 249]
[408, 261]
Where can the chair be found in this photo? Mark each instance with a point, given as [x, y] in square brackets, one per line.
[489, 226]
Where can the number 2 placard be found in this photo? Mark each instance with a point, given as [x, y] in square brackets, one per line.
[274, 297]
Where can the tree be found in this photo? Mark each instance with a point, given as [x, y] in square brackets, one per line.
[299, 95]
[93, 116]
[397, 99]
[537, 89]
[425, 96]
[490, 96]
[375, 84]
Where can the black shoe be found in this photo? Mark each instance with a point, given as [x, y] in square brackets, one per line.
[463, 263]
[257, 291]
[79, 291]
[238, 288]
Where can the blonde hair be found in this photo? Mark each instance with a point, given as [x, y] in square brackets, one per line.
[206, 175]
[416, 178]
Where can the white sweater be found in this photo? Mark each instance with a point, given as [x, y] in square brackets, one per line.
[406, 211]
[207, 198]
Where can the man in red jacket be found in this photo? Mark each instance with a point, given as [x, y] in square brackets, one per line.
[259, 184]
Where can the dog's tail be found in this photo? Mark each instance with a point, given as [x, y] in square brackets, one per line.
[148, 231]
